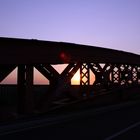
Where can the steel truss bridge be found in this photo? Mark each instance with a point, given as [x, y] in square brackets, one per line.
[112, 69]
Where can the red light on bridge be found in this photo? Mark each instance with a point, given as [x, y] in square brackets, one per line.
[65, 57]
[62, 55]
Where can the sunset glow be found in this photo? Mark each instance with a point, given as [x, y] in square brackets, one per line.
[39, 79]
[110, 24]
[11, 78]
[76, 78]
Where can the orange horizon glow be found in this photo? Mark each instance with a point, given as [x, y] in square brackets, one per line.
[39, 79]
[76, 78]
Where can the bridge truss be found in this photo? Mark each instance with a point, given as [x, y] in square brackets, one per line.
[112, 69]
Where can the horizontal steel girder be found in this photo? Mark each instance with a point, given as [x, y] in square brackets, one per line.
[24, 51]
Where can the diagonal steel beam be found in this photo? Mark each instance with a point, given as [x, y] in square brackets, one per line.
[51, 69]
[47, 70]
[5, 70]
[60, 86]
[67, 69]
[44, 71]
[74, 70]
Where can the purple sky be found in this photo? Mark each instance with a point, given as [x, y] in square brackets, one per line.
[106, 23]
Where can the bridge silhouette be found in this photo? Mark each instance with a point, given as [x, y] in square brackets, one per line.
[114, 70]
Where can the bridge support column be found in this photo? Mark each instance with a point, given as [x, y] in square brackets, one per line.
[25, 86]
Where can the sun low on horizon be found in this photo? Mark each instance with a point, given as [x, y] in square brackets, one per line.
[76, 78]
[39, 79]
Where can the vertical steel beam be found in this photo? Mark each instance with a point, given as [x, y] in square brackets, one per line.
[21, 88]
[29, 89]
[25, 83]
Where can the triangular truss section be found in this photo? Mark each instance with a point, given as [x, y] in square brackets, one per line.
[11, 78]
[40, 79]
[60, 67]
[102, 65]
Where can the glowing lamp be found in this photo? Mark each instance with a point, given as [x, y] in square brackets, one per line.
[65, 57]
